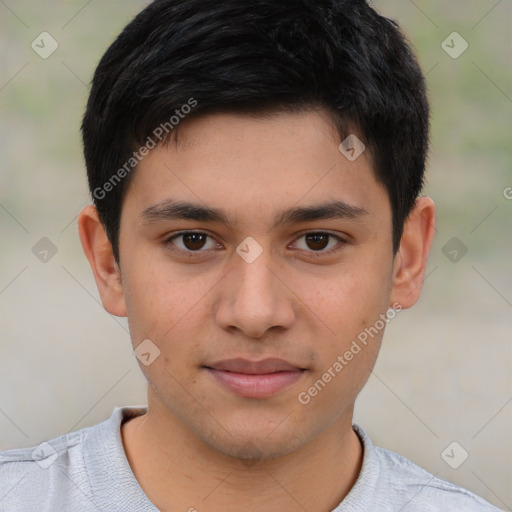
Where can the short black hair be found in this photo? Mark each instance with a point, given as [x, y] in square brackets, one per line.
[257, 57]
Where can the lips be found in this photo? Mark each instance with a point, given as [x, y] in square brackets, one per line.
[255, 379]
[240, 365]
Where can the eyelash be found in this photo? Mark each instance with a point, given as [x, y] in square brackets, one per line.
[316, 254]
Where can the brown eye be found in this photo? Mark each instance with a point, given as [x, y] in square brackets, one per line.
[317, 241]
[190, 242]
[194, 241]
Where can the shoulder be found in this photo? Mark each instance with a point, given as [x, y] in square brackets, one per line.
[80, 471]
[58, 474]
[388, 481]
[420, 491]
[29, 476]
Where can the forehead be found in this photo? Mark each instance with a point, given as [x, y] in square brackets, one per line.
[239, 163]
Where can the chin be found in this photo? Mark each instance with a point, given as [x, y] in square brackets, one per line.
[253, 449]
[252, 440]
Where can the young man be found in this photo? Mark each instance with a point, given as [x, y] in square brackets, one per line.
[255, 169]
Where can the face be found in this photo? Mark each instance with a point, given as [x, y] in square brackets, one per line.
[255, 296]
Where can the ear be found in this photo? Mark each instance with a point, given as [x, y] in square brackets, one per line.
[411, 259]
[98, 250]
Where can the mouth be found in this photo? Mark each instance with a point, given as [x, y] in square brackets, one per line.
[255, 379]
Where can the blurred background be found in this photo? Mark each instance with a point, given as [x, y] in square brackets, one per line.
[441, 392]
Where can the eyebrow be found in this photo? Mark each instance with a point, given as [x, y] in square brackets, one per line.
[184, 210]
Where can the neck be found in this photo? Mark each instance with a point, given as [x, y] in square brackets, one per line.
[178, 471]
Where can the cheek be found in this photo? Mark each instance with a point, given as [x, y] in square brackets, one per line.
[350, 310]
[169, 309]
[346, 302]
[153, 301]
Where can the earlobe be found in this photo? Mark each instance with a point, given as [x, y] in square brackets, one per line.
[411, 258]
[98, 250]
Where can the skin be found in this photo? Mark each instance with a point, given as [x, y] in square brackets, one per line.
[200, 446]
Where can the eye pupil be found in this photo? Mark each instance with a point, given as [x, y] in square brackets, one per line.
[196, 240]
[319, 241]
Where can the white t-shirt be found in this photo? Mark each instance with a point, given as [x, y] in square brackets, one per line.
[87, 471]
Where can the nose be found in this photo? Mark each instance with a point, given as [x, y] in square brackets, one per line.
[253, 298]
